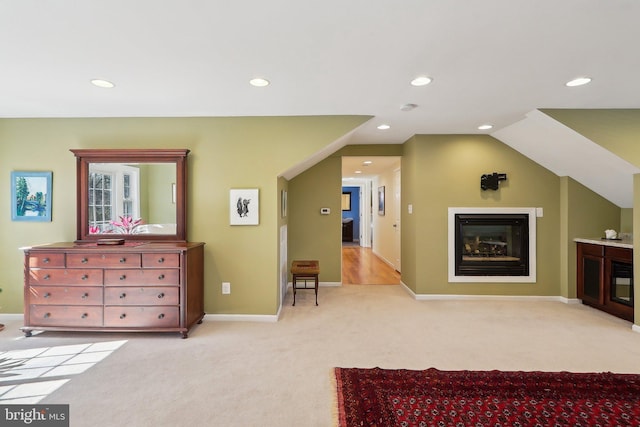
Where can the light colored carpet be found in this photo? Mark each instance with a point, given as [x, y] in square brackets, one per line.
[279, 374]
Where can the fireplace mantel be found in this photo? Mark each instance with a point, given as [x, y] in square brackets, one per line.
[528, 277]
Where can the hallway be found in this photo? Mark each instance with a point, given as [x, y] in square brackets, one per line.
[360, 266]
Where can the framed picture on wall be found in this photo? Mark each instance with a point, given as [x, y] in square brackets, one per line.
[31, 196]
[381, 200]
[244, 206]
[346, 201]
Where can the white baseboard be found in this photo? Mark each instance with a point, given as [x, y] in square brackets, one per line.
[11, 316]
[635, 328]
[570, 300]
[386, 261]
[264, 318]
[452, 297]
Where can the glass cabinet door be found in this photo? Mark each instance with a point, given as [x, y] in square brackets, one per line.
[592, 268]
[622, 283]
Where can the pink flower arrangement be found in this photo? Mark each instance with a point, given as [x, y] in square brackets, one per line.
[94, 229]
[126, 225]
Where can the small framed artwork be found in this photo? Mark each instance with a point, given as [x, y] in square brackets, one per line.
[31, 196]
[244, 206]
[346, 201]
[381, 200]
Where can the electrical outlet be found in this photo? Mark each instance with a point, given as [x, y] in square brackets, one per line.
[226, 287]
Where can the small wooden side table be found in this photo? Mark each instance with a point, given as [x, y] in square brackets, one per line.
[305, 270]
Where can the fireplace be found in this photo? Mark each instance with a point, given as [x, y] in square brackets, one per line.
[492, 244]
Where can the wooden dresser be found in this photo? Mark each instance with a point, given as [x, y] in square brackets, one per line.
[138, 286]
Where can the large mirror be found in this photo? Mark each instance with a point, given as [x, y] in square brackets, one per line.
[131, 194]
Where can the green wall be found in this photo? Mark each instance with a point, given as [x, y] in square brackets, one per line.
[248, 152]
[313, 235]
[442, 171]
[157, 180]
[583, 214]
[438, 171]
[316, 236]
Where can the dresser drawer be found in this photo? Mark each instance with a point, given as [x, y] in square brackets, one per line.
[148, 295]
[97, 259]
[160, 260]
[141, 317]
[44, 260]
[52, 276]
[156, 276]
[63, 295]
[61, 315]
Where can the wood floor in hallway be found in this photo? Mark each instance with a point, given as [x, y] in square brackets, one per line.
[360, 266]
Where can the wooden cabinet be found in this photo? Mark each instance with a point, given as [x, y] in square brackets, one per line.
[605, 278]
[138, 286]
[347, 230]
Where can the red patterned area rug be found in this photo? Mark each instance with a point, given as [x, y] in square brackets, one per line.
[381, 397]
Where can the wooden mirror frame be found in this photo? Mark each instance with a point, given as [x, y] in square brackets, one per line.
[86, 156]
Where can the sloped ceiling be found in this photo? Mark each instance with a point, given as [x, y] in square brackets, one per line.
[565, 152]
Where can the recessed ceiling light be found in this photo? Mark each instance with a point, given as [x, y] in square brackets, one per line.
[578, 81]
[367, 162]
[421, 81]
[358, 172]
[384, 127]
[259, 82]
[102, 83]
[485, 126]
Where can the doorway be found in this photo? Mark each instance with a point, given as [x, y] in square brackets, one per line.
[372, 254]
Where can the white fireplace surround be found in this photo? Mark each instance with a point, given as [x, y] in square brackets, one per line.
[531, 278]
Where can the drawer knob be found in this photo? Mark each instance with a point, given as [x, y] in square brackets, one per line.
[160, 277]
[46, 277]
[84, 277]
[45, 260]
[123, 260]
[47, 315]
[160, 260]
[161, 316]
[84, 260]
[84, 315]
[123, 277]
[85, 295]
[161, 295]
[123, 315]
[123, 295]
[47, 295]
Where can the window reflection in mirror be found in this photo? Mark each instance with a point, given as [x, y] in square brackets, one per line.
[131, 198]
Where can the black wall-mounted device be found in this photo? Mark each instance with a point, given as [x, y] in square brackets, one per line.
[491, 182]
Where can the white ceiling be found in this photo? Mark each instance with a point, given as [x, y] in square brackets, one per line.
[379, 165]
[492, 61]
